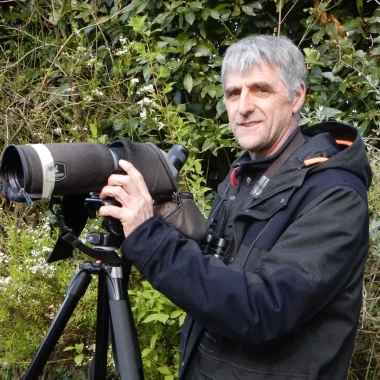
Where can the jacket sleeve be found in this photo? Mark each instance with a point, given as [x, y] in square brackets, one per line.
[310, 263]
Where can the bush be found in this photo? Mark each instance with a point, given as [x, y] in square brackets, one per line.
[97, 71]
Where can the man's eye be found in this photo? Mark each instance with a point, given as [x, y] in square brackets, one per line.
[263, 91]
[233, 94]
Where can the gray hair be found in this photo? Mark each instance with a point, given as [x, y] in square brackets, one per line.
[241, 56]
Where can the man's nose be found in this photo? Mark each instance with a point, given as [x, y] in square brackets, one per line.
[246, 103]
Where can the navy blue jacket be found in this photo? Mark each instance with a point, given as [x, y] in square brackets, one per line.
[287, 303]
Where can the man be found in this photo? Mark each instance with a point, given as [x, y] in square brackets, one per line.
[284, 301]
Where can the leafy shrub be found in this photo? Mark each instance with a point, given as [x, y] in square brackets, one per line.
[100, 70]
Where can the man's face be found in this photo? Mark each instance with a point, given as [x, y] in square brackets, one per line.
[260, 114]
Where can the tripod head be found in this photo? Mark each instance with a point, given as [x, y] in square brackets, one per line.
[72, 215]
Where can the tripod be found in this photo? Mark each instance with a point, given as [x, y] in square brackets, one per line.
[113, 305]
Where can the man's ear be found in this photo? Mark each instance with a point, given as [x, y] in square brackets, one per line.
[299, 98]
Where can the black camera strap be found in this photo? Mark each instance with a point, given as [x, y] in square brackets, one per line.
[257, 189]
[263, 181]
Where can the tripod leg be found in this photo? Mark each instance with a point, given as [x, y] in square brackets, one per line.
[76, 290]
[102, 326]
[124, 331]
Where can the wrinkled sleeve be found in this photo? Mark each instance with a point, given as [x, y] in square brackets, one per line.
[310, 263]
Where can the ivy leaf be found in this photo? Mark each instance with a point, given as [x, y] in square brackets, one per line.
[188, 82]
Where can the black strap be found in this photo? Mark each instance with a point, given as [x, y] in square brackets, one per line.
[259, 186]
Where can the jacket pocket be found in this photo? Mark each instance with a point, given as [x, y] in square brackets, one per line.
[232, 360]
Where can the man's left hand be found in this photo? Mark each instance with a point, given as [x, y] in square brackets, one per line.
[131, 192]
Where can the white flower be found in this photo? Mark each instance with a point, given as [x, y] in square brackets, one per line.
[97, 92]
[3, 258]
[58, 131]
[147, 88]
[4, 281]
[91, 61]
[143, 113]
[122, 51]
[135, 80]
[81, 49]
[145, 100]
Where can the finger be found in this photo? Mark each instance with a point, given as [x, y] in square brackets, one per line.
[112, 211]
[127, 182]
[137, 177]
[116, 192]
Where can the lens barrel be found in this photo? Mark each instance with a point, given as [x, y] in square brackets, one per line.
[44, 170]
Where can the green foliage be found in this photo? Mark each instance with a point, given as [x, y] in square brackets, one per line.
[31, 293]
[99, 70]
[159, 344]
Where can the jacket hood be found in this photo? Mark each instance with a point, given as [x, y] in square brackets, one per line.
[343, 146]
[328, 145]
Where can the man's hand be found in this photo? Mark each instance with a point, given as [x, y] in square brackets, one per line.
[131, 192]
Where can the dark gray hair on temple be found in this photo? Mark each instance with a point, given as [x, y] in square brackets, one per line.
[281, 52]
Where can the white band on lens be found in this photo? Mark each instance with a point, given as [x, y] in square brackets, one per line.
[48, 176]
